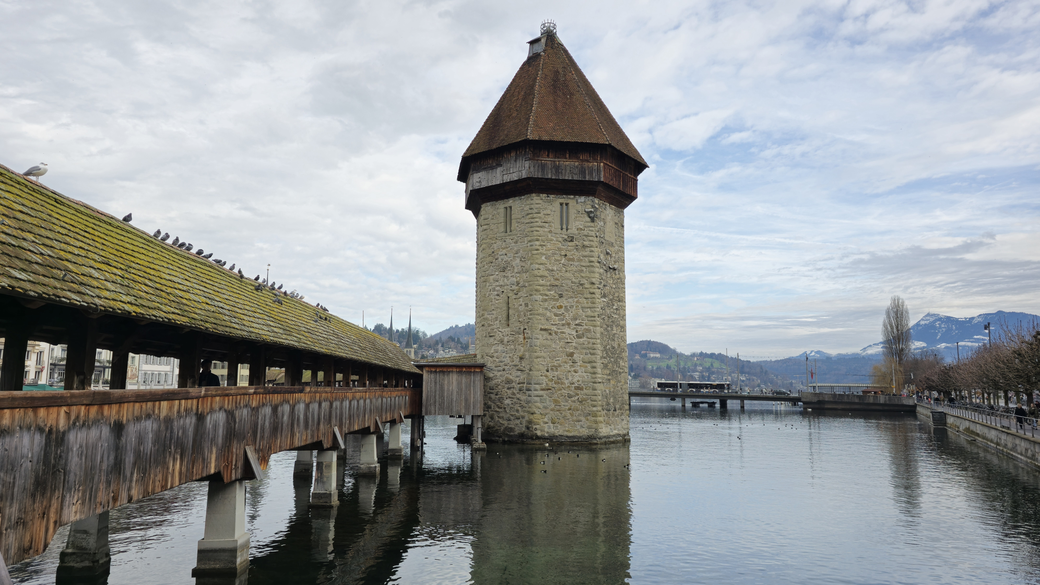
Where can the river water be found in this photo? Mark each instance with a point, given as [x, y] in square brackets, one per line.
[769, 495]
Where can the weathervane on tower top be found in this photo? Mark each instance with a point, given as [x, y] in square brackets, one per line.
[548, 26]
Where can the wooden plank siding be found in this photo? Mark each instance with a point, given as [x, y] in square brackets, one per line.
[69, 455]
[452, 389]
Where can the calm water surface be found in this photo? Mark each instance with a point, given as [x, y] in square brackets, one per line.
[767, 495]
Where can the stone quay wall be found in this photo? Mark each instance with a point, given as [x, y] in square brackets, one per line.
[1024, 448]
[550, 319]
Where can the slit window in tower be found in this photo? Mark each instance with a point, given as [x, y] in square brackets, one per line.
[507, 311]
[565, 216]
[507, 218]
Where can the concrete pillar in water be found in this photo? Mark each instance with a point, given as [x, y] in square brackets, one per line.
[684, 402]
[393, 448]
[224, 548]
[86, 551]
[393, 476]
[741, 405]
[323, 532]
[723, 404]
[304, 466]
[324, 493]
[418, 433]
[366, 487]
[369, 460]
[478, 438]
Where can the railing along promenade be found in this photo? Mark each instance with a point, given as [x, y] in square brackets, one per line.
[68, 456]
[988, 416]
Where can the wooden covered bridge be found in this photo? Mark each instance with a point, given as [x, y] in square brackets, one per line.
[71, 274]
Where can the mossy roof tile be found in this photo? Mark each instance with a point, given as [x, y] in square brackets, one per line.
[62, 250]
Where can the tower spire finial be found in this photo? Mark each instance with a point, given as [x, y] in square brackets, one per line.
[548, 27]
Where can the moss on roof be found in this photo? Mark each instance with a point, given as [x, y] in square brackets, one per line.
[59, 250]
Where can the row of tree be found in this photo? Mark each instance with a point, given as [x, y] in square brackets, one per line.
[1010, 366]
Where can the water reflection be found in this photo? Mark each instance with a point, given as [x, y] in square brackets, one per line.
[766, 495]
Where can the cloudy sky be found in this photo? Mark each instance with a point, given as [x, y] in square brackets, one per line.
[808, 159]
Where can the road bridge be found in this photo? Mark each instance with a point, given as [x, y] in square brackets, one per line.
[722, 398]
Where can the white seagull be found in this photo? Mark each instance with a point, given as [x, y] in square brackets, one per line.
[36, 171]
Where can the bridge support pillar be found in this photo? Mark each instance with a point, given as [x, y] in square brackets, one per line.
[304, 466]
[86, 551]
[684, 402]
[418, 433]
[393, 476]
[741, 405]
[369, 459]
[324, 494]
[478, 438]
[224, 548]
[723, 404]
[393, 447]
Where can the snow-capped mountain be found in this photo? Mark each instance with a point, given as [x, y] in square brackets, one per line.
[942, 333]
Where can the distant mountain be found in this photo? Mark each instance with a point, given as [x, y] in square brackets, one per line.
[942, 333]
[467, 331]
[637, 347]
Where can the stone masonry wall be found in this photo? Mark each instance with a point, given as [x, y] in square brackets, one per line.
[550, 320]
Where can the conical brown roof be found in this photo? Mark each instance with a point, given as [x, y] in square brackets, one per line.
[550, 99]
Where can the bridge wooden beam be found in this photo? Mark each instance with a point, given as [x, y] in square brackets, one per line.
[92, 451]
[81, 354]
[16, 343]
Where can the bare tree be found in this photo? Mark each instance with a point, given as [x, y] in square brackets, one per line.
[895, 331]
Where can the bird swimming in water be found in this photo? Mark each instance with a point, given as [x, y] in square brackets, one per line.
[36, 171]
[165, 237]
[128, 217]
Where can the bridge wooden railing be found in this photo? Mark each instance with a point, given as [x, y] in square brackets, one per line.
[65, 456]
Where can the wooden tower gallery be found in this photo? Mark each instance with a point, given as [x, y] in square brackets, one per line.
[548, 178]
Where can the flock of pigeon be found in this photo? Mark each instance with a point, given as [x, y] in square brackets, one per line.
[39, 170]
[261, 284]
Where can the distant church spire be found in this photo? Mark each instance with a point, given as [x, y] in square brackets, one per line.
[408, 342]
[391, 337]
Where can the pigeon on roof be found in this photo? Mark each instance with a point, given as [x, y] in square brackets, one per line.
[200, 252]
[165, 237]
[279, 287]
[176, 240]
[223, 263]
[188, 247]
[157, 233]
[208, 256]
[36, 171]
[240, 275]
[182, 245]
[217, 261]
[232, 267]
[128, 217]
[257, 278]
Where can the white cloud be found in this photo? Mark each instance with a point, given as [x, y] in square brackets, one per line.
[810, 158]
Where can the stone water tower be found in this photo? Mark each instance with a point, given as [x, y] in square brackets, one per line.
[548, 178]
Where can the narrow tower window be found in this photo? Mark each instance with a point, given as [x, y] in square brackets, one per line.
[507, 311]
[565, 216]
[507, 218]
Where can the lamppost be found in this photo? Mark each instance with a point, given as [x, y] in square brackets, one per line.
[989, 332]
[269, 277]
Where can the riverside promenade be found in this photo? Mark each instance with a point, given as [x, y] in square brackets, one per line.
[997, 430]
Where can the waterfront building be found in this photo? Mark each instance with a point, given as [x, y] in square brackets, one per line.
[548, 178]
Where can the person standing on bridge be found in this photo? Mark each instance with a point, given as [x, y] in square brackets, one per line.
[207, 377]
